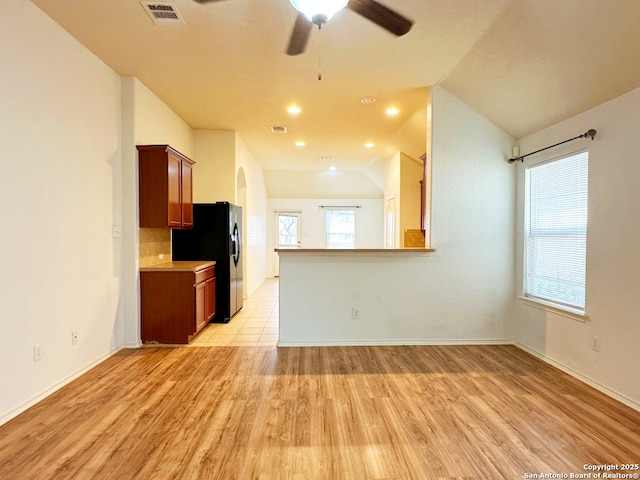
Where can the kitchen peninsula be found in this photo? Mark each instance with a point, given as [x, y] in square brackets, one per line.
[352, 296]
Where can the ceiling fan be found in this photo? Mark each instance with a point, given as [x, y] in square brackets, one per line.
[319, 12]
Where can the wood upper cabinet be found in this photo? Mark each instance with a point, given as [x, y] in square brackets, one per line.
[186, 182]
[165, 187]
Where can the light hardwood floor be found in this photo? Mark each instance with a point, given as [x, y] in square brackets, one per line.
[410, 412]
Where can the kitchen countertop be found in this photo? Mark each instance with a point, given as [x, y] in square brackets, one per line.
[187, 266]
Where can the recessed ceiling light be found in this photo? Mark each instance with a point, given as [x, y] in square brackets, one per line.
[367, 100]
[332, 168]
[392, 111]
[294, 110]
[369, 145]
[300, 144]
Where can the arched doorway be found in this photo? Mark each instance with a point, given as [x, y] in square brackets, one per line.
[241, 201]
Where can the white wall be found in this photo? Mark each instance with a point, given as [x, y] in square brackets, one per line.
[214, 175]
[320, 184]
[255, 218]
[461, 293]
[472, 216]
[156, 123]
[146, 120]
[613, 255]
[61, 187]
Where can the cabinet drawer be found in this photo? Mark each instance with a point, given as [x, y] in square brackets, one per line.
[202, 275]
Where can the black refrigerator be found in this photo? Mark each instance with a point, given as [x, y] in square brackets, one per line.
[216, 235]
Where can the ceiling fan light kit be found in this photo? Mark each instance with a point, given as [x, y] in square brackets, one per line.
[319, 11]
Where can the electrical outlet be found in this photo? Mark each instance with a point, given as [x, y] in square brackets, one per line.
[74, 337]
[355, 312]
[161, 256]
[37, 352]
[595, 343]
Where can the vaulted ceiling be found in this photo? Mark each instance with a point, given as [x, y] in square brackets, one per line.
[524, 64]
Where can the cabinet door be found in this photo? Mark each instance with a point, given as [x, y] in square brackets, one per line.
[210, 298]
[187, 194]
[165, 187]
[201, 302]
[168, 306]
[174, 187]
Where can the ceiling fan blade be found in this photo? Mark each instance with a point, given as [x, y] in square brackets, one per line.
[382, 16]
[300, 35]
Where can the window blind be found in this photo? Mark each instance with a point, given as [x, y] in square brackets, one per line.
[556, 231]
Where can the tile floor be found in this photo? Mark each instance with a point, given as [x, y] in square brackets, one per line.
[256, 324]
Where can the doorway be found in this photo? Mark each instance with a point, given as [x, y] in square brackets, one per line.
[288, 234]
[390, 223]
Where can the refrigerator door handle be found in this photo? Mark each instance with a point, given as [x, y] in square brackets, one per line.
[236, 245]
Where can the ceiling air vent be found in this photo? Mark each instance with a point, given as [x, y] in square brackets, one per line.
[163, 13]
[280, 129]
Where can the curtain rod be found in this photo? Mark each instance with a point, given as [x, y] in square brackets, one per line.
[590, 133]
[340, 206]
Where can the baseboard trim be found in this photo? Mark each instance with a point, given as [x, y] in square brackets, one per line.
[383, 343]
[583, 378]
[42, 395]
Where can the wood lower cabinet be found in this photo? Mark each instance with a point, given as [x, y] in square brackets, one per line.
[210, 298]
[205, 297]
[177, 301]
[165, 187]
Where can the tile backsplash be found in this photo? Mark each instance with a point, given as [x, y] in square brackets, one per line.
[153, 243]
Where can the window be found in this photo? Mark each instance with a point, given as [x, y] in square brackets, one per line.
[288, 229]
[341, 228]
[556, 231]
